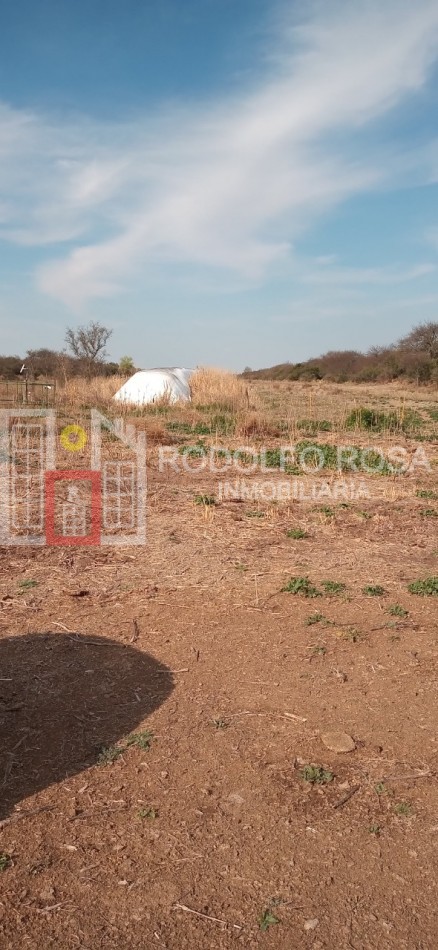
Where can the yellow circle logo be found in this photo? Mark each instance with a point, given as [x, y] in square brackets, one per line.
[73, 438]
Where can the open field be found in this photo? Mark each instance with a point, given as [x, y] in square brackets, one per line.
[162, 707]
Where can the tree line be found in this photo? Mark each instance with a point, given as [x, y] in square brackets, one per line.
[414, 358]
[84, 354]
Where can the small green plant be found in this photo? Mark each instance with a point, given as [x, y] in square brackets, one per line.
[314, 425]
[319, 651]
[109, 754]
[5, 860]
[369, 419]
[375, 830]
[398, 611]
[315, 618]
[429, 512]
[380, 788]
[267, 919]
[140, 739]
[316, 775]
[220, 723]
[148, 813]
[206, 500]
[374, 590]
[403, 808]
[316, 455]
[198, 450]
[352, 634]
[427, 493]
[296, 533]
[255, 514]
[199, 429]
[428, 587]
[325, 510]
[301, 585]
[333, 587]
[27, 585]
[275, 458]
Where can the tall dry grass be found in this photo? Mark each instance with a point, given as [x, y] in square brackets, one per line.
[219, 388]
[255, 411]
[97, 391]
[208, 387]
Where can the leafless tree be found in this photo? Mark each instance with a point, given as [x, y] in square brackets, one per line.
[88, 343]
[423, 339]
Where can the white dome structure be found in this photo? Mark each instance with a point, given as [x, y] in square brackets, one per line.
[149, 385]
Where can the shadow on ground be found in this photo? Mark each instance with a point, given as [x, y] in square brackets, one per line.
[64, 697]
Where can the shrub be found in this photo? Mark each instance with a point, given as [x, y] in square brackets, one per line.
[371, 420]
[428, 587]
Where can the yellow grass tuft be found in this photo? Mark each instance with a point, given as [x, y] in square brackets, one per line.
[218, 387]
[89, 392]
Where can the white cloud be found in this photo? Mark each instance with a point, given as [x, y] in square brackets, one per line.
[356, 276]
[229, 186]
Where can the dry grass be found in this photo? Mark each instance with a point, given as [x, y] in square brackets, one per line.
[220, 388]
[98, 391]
[227, 407]
[210, 387]
[254, 425]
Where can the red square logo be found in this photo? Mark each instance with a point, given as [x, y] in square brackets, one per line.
[70, 514]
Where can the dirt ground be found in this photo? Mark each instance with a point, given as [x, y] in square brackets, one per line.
[159, 706]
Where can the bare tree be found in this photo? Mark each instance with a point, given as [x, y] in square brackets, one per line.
[88, 343]
[423, 338]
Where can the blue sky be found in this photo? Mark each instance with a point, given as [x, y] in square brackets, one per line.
[222, 182]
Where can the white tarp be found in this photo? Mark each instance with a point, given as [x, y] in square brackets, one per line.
[148, 385]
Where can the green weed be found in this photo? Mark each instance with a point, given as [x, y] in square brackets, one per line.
[316, 775]
[398, 611]
[148, 813]
[220, 723]
[325, 510]
[206, 500]
[267, 920]
[296, 533]
[333, 587]
[427, 493]
[142, 739]
[403, 808]
[380, 788]
[314, 425]
[109, 754]
[428, 587]
[301, 585]
[315, 618]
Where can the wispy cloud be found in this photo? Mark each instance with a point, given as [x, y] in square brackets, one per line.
[327, 274]
[231, 185]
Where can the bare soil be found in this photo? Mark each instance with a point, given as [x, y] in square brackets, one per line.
[205, 834]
